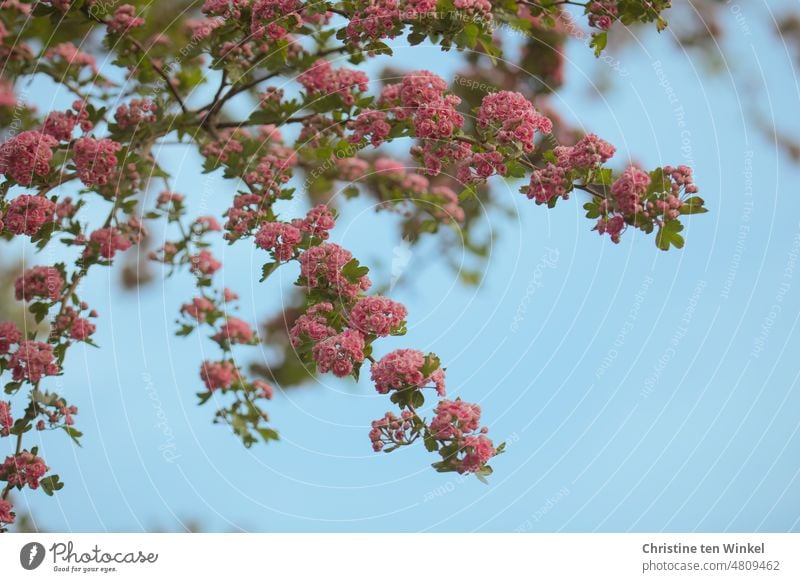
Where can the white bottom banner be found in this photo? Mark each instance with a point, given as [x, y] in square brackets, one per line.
[389, 557]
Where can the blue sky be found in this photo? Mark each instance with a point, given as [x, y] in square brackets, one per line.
[638, 390]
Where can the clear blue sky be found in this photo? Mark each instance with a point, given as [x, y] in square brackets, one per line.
[641, 390]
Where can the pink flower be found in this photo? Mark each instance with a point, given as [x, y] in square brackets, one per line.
[280, 238]
[124, 19]
[477, 8]
[275, 18]
[207, 224]
[376, 19]
[23, 469]
[454, 419]
[81, 329]
[351, 169]
[26, 155]
[28, 214]
[372, 124]
[403, 369]
[72, 56]
[9, 336]
[602, 14]
[6, 420]
[234, 331]
[339, 353]
[391, 430]
[447, 205]
[198, 309]
[204, 263]
[109, 240]
[6, 515]
[512, 119]
[321, 78]
[629, 188]
[60, 124]
[318, 221]
[264, 389]
[39, 282]
[137, 112]
[589, 152]
[377, 315]
[612, 226]
[478, 450]
[219, 374]
[31, 361]
[321, 268]
[312, 325]
[95, 160]
[547, 183]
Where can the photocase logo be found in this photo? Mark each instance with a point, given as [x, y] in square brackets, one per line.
[31, 555]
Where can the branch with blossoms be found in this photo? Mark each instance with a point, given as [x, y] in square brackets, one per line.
[103, 156]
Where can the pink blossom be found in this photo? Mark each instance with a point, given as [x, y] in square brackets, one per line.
[339, 353]
[31, 361]
[235, 331]
[602, 14]
[377, 315]
[280, 238]
[108, 240]
[275, 18]
[547, 183]
[39, 282]
[6, 515]
[372, 124]
[198, 309]
[478, 450]
[454, 419]
[321, 78]
[9, 336]
[137, 112]
[403, 369]
[6, 420]
[321, 267]
[447, 205]
[60, 124]
[26, 155]
[28, 214]
[95, 160]
[375, 19]
[391, 430]
[312, 325]
[512, 119]
[204, 263]
[219, 374]
[629, 188]
[589, 152]
[263, 389]
[612, 226]
[318, 221]
[207, 224]
[72, 56]
[477, 8]
[124, 19]
[23, 469]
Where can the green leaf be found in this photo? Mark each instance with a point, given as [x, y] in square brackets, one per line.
[267, 270]
[693, 205]
[50, 484]
[74, 434]
[353, 271]
[268, 434]
[599, 42]
[431, 444]
[668, 235]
